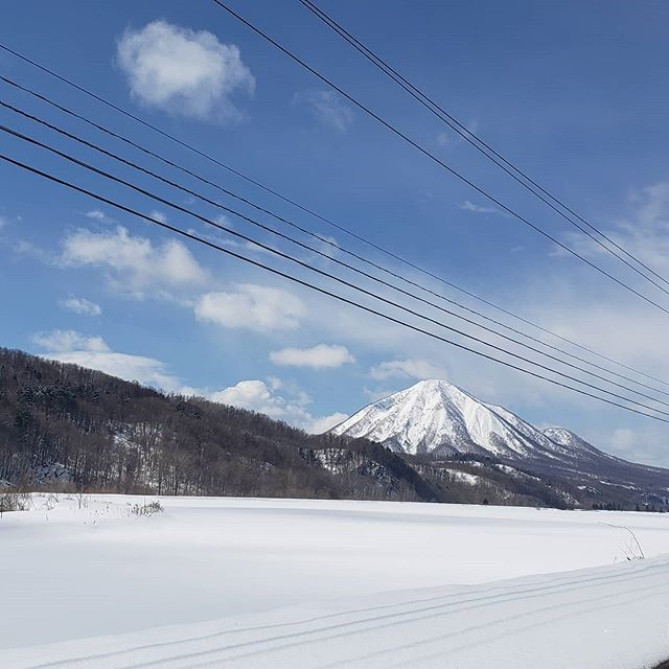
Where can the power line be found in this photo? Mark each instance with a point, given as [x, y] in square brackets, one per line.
[316, 215]
[323, 291]
[266, 228]
[317, 251]
[310, 233]
[439, 161]
[323, 273]
[163, 133]
[483, 147]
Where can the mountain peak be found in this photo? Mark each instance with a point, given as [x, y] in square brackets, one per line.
[438, 387]
[432, 383]
[570, 440]
[434, 416]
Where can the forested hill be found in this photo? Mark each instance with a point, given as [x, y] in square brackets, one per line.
[63, 427]
[69, 427]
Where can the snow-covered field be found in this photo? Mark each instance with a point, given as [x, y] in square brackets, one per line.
[254, 583]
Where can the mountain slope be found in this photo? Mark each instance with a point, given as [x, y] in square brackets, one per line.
[436, 418]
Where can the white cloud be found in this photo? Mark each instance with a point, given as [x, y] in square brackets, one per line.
[254, 307]
[81, 306]
[320, 425]
[271, 397]
[94, 353]
[222, 219]
[136, 265]
[328, 107]
[276, 400]
[622, 440]
[184, 71]
[158, 216]
[644, 233]
[28, 248]
[638, 443]
[256, 395]
[267, 398]
[653, 205]
[322, 356]
[478, 209]
[374, 394]
[97, 215]
[68, 340]
[415, 369]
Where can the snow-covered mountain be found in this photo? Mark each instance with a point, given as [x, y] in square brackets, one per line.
[435, 417]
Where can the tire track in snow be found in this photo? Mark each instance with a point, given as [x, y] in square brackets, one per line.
[448, 603]
[501, 586]
[417, 612]
[325, 637]
[609, 600]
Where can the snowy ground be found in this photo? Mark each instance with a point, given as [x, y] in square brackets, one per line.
[255, 583]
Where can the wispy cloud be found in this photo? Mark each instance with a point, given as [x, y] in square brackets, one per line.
[158, 216]
[81, 306]
[328, 107]
[322, 356]
[644, 232]
[477, 208]
[407, 368]
[447, 139]
[97, 215]
[93, 352]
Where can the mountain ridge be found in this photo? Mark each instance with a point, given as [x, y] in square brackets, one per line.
[436, 418]
[455, 419]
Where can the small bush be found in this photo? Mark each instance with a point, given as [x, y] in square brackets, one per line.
[7, 502]
[14, 501]
[147, 509]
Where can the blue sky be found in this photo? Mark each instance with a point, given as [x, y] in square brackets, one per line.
[573, 92]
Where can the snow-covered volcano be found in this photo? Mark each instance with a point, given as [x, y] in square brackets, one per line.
[437, 417]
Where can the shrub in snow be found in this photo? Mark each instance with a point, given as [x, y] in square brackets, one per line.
[147, 509]
[14, 501]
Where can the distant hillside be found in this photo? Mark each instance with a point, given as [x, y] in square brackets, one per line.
[69, 428]
[62, 425]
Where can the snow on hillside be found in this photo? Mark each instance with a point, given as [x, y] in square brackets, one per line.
[215, 582]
